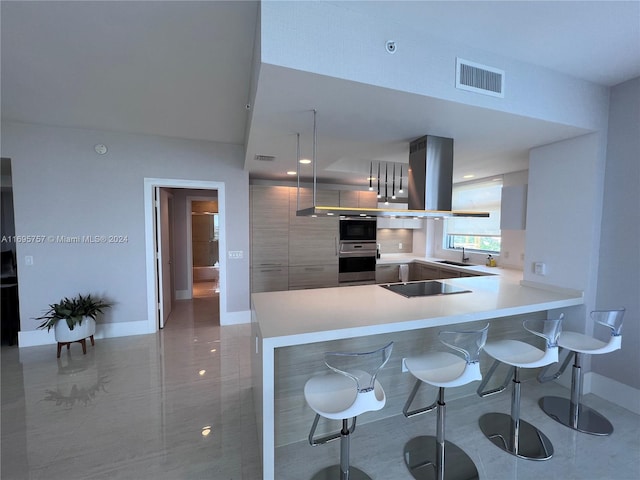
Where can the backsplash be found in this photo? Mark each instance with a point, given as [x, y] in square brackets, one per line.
[390, 240]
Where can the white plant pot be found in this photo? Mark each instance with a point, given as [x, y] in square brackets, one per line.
[80, 331]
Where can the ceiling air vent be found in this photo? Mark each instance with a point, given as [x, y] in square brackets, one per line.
[265, 158]
[479, 78]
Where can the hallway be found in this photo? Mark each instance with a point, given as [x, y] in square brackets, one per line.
[174, 405]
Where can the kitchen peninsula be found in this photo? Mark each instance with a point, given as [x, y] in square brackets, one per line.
[292, 329]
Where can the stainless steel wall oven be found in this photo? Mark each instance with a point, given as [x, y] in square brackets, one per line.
[357, 262]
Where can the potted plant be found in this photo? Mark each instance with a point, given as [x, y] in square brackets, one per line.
[79, 319]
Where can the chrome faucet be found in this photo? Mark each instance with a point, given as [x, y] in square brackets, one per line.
[464, 259]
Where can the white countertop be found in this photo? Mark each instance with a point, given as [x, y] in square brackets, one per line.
[297, 317]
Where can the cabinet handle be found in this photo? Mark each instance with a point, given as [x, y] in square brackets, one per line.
[265, 270]
[313, 269]
[335, 243]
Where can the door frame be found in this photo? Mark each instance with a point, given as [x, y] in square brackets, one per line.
[149, 232]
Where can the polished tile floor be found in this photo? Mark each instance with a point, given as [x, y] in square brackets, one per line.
[178, 405]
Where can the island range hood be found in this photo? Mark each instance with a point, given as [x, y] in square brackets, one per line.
[429, 187]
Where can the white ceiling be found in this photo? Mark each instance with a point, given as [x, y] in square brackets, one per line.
[182, 69]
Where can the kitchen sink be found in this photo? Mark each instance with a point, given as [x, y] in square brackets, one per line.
[457, 264]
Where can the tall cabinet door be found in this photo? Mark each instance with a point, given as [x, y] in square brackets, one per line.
[313, 240]
[269, 238]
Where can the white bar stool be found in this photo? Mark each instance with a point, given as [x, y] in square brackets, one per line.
[509, 432]
[429, 457]
[349, 390]
[571, 412]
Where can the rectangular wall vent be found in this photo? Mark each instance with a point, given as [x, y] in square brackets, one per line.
[265, 158]
[479, 78]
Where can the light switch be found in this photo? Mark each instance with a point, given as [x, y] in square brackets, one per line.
[236, 254]
[539, 268]
[28, 260]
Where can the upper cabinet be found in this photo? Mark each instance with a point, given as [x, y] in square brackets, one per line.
[358, 199]
[388, 222]
[513, 210]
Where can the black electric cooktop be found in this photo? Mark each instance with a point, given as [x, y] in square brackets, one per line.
[423, 289]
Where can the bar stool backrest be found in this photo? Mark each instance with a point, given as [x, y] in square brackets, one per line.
[469, 343]
[610, 318]
[362, 367]
[548, 329]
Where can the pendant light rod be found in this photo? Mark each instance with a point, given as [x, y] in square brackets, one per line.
[386, 181]
[378, 179]
[393, 180]
[298, 170]
[371, 176]
[400, 191]
[315, 138]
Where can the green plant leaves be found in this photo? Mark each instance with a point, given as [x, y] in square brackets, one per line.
[72, 310]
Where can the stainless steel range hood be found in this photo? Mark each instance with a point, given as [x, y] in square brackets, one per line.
[430, 185]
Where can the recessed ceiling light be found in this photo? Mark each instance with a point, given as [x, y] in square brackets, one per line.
[291, 172]
[305, 161]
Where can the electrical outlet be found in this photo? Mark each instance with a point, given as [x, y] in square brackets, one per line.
[404, 365]
[505, 254]
[236, 254]
[400, 246]
[28, 260]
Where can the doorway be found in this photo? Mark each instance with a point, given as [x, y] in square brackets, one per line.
[181, 256]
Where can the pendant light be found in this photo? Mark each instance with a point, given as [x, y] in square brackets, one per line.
[386, 183]
[393, 188]
[378, 179]
[400, 191]
[371, 177]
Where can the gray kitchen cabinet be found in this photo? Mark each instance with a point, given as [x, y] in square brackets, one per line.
[313, 276]
[269, 238]
[269, 279]
[419, 271]
[388, 273]
[313, 242]
[358, 199]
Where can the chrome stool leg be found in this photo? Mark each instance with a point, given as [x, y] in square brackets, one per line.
[344, 471]
[512, 434]
[434, 458]
[571, 412]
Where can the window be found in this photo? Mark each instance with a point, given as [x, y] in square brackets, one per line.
[479, 234]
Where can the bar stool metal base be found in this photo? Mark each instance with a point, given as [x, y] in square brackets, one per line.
[333, 473]
[532, 444]
[421, 453]
[583, 419]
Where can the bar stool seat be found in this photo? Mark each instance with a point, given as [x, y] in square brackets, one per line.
[434, 457]
[571, 412]
[349, 390]
[509, 432]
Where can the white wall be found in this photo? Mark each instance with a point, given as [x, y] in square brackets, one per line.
[332, 38]
[564, 209]
[619, 272]
[62, 187]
